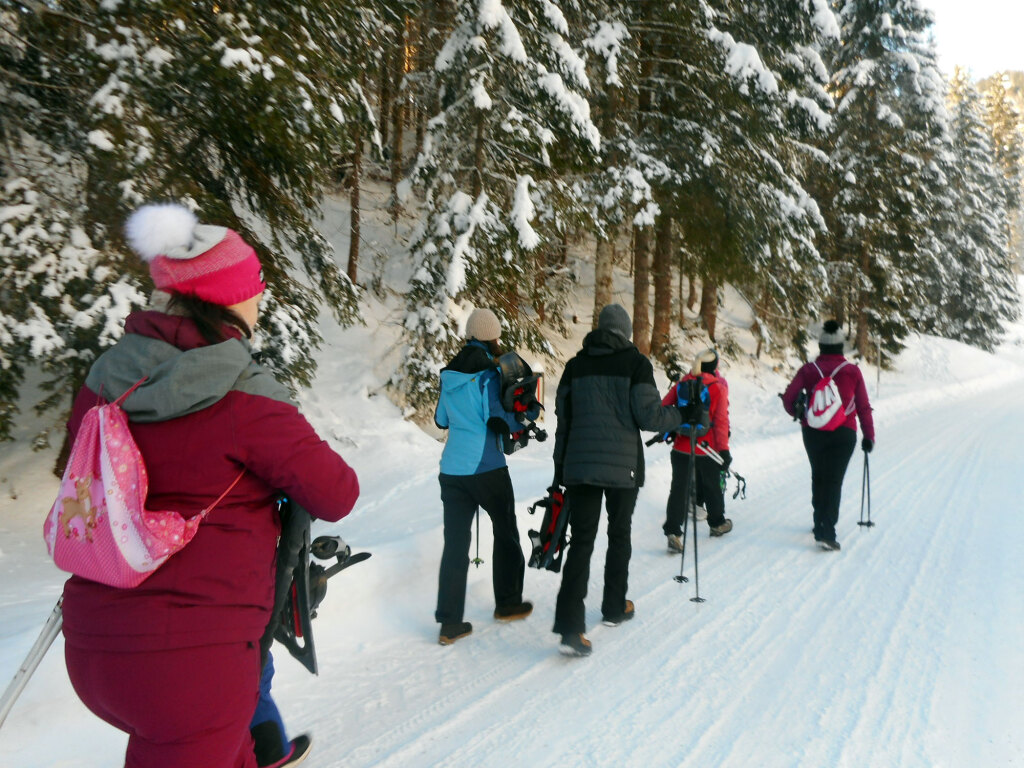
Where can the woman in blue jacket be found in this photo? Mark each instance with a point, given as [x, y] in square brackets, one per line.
[474, 475]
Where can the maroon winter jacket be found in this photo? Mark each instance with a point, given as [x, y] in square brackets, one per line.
[850, 383]
[205, 412]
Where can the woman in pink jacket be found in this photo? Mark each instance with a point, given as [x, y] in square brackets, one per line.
[175, 662]
[829, 451]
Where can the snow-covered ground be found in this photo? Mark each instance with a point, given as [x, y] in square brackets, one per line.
[902, 650]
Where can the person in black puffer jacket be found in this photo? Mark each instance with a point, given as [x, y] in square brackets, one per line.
[605, 397]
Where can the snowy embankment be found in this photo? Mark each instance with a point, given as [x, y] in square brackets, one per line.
[901, 650]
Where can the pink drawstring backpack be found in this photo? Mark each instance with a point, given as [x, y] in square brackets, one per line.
[99, 527]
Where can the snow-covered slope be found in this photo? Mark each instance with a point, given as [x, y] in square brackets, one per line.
[902, 650]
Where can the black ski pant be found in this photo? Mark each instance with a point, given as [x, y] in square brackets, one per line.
[461, 496]
[584, 516]
[829, 454]
[709, 490]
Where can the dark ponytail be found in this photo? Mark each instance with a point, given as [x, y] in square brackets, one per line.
[211, 319]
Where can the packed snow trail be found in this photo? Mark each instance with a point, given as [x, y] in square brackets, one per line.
[883, 654]
[901, 650]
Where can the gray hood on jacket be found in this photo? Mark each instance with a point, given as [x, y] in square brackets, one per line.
[179, 382]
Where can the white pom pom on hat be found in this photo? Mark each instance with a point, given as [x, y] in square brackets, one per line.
[161, 229]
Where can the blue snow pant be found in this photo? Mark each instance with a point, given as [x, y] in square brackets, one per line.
[267, 712]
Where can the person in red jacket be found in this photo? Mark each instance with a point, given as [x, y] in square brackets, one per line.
[708, 471]
[829, 452]
[175, 662]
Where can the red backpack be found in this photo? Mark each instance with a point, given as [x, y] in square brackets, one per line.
[825, 409]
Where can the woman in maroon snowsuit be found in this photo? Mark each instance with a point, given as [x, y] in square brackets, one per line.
[830, 452]
[175, 662]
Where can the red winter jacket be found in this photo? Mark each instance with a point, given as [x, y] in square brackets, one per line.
[850, 383]
[718, 394]
[206, 412]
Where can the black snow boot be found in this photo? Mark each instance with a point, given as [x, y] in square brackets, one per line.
[452, 632]
[829, 545]
[513, 612]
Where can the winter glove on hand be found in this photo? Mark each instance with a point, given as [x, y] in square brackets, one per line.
[726, 459]
[499, 425]
[867, 444]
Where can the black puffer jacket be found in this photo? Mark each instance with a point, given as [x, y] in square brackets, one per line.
[605, 397]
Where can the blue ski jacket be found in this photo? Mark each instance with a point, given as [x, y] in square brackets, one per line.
[470, 399]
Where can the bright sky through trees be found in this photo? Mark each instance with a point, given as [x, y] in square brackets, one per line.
[982, 35]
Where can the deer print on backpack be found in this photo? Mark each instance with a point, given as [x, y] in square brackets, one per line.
[79, 507]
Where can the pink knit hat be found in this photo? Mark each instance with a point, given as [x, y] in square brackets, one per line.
[211, 263]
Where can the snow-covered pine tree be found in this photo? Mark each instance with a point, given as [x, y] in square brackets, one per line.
[720, 116]
[238, 110]
[1007, 127]
[513, 120]
[781, 41]
[985, 292]
[889, 135]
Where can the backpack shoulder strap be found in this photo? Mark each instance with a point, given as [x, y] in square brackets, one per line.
[815, 364]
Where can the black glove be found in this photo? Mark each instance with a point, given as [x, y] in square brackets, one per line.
[726, 459]
[499, 425]
[867, 444]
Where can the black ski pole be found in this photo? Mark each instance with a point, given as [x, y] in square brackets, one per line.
[477, 561]
[687, 496]
[693, 507]
[865, 492]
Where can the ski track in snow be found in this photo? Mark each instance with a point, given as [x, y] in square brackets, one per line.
[901, 650]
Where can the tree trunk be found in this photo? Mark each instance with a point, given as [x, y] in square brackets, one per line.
[661, 274]
[691, 297]
[642, 289]
[862, 341]
[709, 305]
[478, 158]
[353, 198]
[385, 96]
[398, 118]
[603, 260]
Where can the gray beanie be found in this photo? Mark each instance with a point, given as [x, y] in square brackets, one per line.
[483, 325]
[615, 318]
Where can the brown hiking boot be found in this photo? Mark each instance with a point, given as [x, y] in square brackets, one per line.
[629, 613]
[513, 612]
[575, 645]
[452, 632]
[721, 530]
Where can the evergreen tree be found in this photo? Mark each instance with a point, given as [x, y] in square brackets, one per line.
[513, 118]
[239, 110]
[884, 186]
[1007, 127]
[985, 292]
